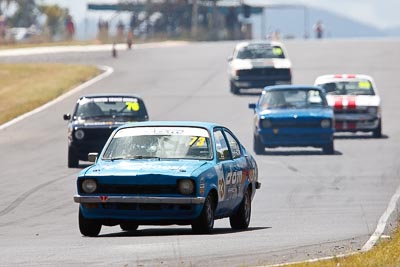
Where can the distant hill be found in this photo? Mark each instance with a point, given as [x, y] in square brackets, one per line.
[291, 22]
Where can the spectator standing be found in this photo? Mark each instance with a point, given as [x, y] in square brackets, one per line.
[319, 29]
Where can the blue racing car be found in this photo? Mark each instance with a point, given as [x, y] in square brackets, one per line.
[160, 173]
[293, 116]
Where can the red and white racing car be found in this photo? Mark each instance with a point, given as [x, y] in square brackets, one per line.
[355, 100]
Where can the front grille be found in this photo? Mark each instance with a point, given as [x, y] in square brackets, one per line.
[97, 133]
[137, 189]
[351, 111]
[265, 72]
[146, 207]
[295, 123]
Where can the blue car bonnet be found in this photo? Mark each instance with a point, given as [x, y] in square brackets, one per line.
[184, 168]
[307, 112]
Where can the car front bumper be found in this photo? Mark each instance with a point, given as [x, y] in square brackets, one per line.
[143, 210]
[356, 122]
[285, 137]
[138, 199]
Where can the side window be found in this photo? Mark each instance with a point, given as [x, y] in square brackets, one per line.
[221, 146]
[233, 144]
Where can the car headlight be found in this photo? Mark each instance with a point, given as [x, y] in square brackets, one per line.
[266, 123]
[79, 134]
[186, 186]
[372, 110]
[325, 123]
[89, 185]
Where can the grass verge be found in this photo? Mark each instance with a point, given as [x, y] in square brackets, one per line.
[385, 253]
[24, 87]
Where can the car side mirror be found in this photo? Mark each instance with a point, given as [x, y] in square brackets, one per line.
[92, 157]
[67, 117]
[252, 105]
[230, 58]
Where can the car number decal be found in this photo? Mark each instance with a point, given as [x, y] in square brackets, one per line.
[364, 85]
[133, 106]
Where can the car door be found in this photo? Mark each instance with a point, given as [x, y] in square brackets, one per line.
[235, 184]
[230, 184]
[224, 168]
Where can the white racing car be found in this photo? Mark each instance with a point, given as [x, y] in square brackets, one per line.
[256, 64]
[355, 100]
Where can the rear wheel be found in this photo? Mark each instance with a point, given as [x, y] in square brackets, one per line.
[234, 89]
[88, 227]
[205, 223]
[129, 227]
[258, 146]
[329, 148]
[377, 133]
[241, 219]
[73, 160]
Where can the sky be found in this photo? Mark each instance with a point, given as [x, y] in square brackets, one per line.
[382, 14]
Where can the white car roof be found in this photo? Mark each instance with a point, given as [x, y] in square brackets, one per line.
[246, 43]
[341, 77]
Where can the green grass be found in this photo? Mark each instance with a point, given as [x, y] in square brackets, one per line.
[24, 87]
[386, 253]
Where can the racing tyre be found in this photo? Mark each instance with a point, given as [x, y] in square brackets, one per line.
[129, 227]
[329, 148]
[88, 227]
[241, 219]
[205, 223]
[377, 133]
[73, 161]
[258, 146]
[234, 90]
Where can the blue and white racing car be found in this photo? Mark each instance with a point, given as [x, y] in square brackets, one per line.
[160, 173]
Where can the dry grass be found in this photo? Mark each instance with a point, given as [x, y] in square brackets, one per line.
[23, 87]
[385, 254]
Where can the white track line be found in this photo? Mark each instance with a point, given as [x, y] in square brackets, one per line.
[382, 222]
[107, 71]
[82, 48]
[372, 240]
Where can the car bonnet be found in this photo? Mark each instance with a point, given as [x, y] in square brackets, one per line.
[184, 168]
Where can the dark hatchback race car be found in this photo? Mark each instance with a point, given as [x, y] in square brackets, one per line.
[95, 117]
[161, 173]
[293, 116]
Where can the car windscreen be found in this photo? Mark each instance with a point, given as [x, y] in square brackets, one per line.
[260, 52]
[124, 108]
[356, 87]
[298, 99]
[159, 142]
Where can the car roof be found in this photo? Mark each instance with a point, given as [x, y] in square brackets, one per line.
[258, 42]
[341, 77]
[292, 87]
[202, 124]
[110, 95]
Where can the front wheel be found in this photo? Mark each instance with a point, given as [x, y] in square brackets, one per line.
[73, 160]
[329, 148]
[258, 146]
[234, 89]
[88, 227]
[241, 219]
[205, 223]
[377, 133]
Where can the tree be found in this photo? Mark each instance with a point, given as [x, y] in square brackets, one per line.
[55, 18]
[25, 15]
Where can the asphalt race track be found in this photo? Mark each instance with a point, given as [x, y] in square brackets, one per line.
[310, 205]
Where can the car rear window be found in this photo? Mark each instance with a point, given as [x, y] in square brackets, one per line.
[130, 108]
[260, 51]
[356, 87]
